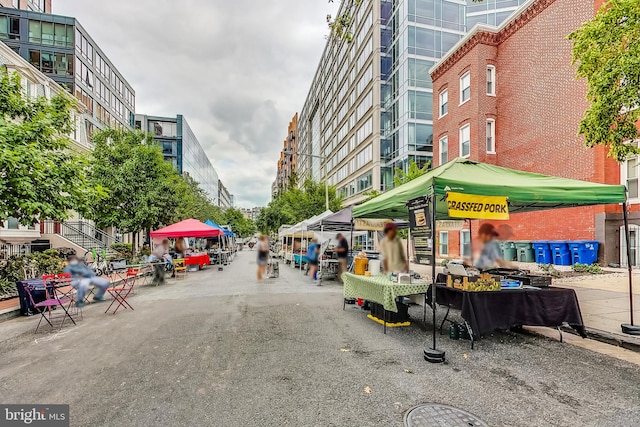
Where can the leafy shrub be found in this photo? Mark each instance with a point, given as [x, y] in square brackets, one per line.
[124, 249]
[549, 270]
[586, 268]
[19, 267]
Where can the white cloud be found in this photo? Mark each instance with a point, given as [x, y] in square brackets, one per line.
[238, 70]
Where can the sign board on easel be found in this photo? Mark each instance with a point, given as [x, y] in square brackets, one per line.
[421, 229]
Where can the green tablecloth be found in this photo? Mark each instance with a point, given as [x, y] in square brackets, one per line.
[379, 289]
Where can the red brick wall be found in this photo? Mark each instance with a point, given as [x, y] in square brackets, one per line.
[538, 109]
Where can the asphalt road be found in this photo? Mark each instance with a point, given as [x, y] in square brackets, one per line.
[219, 349]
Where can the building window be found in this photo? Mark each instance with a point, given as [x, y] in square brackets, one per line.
[9, 28]
[444, 243]
[491, 80]
[444, 103]
[491, 136]
[465, 88]
[465, 243]
[465, 141]
[444, 150]
[630, 176]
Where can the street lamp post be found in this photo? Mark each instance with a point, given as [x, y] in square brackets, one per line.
[323, 159]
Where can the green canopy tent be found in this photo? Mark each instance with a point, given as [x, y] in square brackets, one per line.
[525, 192]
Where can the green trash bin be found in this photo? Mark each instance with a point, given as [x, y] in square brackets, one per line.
[508, 251]
[525, 251]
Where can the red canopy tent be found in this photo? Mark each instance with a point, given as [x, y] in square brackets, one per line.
[187, 228]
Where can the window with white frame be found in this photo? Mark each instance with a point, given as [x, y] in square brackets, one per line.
[465, 243]
[629, 178]
[465, 141]
[444, 103]
[491, 136]
[444, 150]
[465, 87]
[491, 80]
[444, 243]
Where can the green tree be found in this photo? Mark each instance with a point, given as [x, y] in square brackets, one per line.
[144, 190]
[297, 204]
[195, 203]
[607, 51]
[402, 177]
[240, 225]
[40, 177]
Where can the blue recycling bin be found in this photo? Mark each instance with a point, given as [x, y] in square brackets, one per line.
[542, 252]
[560, 253]
[584, 251]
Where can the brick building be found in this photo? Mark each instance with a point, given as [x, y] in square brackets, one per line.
[288, 162]
[509, 96]
[43, 6]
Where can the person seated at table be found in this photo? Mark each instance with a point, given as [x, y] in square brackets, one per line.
[313, 252]
[82, 277]
[394, 259]
[490, 256]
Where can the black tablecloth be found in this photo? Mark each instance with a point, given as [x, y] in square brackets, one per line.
[488, 311]
[38, 293]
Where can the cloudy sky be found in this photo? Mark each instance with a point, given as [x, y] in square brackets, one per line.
[238, 70]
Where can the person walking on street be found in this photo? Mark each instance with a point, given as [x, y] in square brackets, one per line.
[263, 256]
[313, 252]
[394, 259]
[343, 253]
[82, 277]
[161, 260]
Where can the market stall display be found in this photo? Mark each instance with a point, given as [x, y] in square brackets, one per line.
[464, 189]
[196, 261]
[488, 311]
[379, 289]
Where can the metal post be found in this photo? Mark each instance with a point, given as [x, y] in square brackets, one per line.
[326, 184]
[629, 265]
[433, 355]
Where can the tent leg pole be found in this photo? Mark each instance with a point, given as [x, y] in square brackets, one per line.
[471, 242]
[350, 245]
[629, 263]
[433, 355]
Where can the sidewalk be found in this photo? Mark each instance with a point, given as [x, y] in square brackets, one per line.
[604, 301]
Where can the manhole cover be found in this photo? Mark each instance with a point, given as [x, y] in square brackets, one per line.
[434, 415]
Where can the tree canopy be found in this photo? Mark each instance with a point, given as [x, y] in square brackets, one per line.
[40, 177]
[607, 53]
[142, 187]
[240, 225]
[297, 204]
[413, 172]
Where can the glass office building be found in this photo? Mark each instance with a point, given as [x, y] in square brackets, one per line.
[369, 109]
[183, 150]
[63, 50]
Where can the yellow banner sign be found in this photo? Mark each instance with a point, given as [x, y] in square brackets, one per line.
[477, 207]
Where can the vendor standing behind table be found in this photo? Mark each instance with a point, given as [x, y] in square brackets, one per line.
[394, 259]
[490, 256]
[343, 253]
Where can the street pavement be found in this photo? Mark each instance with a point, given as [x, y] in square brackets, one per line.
[220, 349]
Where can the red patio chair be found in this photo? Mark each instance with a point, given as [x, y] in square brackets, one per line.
[52, 301]
[120, 293]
